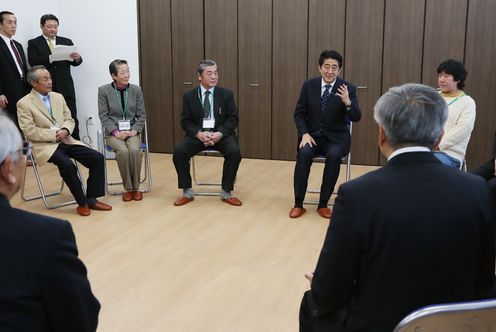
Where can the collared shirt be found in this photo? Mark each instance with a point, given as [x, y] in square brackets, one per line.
[7, 41]
[407, 150]
[210, 98]
[54, 40]
[323, 85]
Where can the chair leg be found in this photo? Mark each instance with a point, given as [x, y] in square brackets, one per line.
[44, 195]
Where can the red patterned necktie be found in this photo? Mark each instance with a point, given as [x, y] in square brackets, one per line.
[18, 57]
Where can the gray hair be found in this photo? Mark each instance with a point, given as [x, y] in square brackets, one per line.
[411, 114]
[31, 75]
[204, 64]
[9, 136]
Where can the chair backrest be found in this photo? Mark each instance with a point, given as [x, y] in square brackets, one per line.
[475, 316]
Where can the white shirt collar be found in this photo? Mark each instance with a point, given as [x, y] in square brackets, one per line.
[203, 90]
[54, 40]
[407, 150]
[7, 39]
[323, 84]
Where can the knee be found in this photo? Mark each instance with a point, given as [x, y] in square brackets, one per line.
[305, 153]
[233, 153]
[334, 154]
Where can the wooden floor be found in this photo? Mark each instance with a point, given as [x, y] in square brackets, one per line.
[205, 266]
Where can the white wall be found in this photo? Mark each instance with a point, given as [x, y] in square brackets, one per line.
[103, 30]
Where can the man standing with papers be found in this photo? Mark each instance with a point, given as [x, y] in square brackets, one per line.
[40, 51]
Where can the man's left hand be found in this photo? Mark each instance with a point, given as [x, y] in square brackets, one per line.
[75, 56]
[344, 94]
[61, 135]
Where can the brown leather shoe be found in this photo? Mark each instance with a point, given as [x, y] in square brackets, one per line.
[83, 210]
[296, 212]
[183, 200]
[127, 196]
[100, 206]
[137, 195]
[324, 212]
[233, 201]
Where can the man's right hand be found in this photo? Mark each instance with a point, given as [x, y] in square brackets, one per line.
[3, 101]
[203, 136]
[307, 139]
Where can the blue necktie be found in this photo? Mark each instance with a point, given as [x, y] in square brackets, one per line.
[325, 97]
[46, 101]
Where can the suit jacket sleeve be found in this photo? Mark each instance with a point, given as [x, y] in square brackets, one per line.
[104, 110]
[230, 123]
[140, 114]
[189, 119]
[36, 56]
[354, 113]
[338, 265]
[70, 303]
[300, 114]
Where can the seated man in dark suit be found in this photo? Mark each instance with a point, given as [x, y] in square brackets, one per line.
[488, 171]
[410, 234]
[46, 122]
[44, 284]
[209, 118]
[324, 109]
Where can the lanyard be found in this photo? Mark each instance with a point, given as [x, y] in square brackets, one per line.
[459, 96]
[123, 109]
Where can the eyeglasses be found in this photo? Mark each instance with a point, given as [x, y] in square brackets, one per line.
[26, 149]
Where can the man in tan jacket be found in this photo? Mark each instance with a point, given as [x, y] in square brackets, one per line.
[46, 121]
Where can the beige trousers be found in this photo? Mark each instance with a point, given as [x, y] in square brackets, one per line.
[128, 155]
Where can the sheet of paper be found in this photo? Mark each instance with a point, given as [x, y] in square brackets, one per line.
[63, 52]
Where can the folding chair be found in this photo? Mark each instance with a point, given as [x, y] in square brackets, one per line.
[475, 316]
[207, 153]
[321, 159]
[109, 154]
[43, 194]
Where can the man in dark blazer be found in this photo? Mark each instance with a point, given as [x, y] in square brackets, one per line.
[13, 66]
[44, 284]
[323, 112]
[209, 118]
[410, 234]
[39, 53]
[488, 171]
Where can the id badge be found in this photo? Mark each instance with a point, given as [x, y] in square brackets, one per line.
[208, 123]
[124, 125]
[55, 126]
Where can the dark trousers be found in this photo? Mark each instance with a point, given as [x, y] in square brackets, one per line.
[312, 321]
[486, 170]
[333, 154]
[91, 159]
[190, 146]
[71, 103]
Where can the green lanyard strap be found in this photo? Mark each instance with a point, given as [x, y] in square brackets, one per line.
[123, 109]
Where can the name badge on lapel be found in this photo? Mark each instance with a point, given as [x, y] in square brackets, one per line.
[124, 125]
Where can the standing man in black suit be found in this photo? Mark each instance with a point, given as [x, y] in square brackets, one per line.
[13, 66]
[44, 284]
[323, 112]
[209, 118]
[39, 53]
[410, 234]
